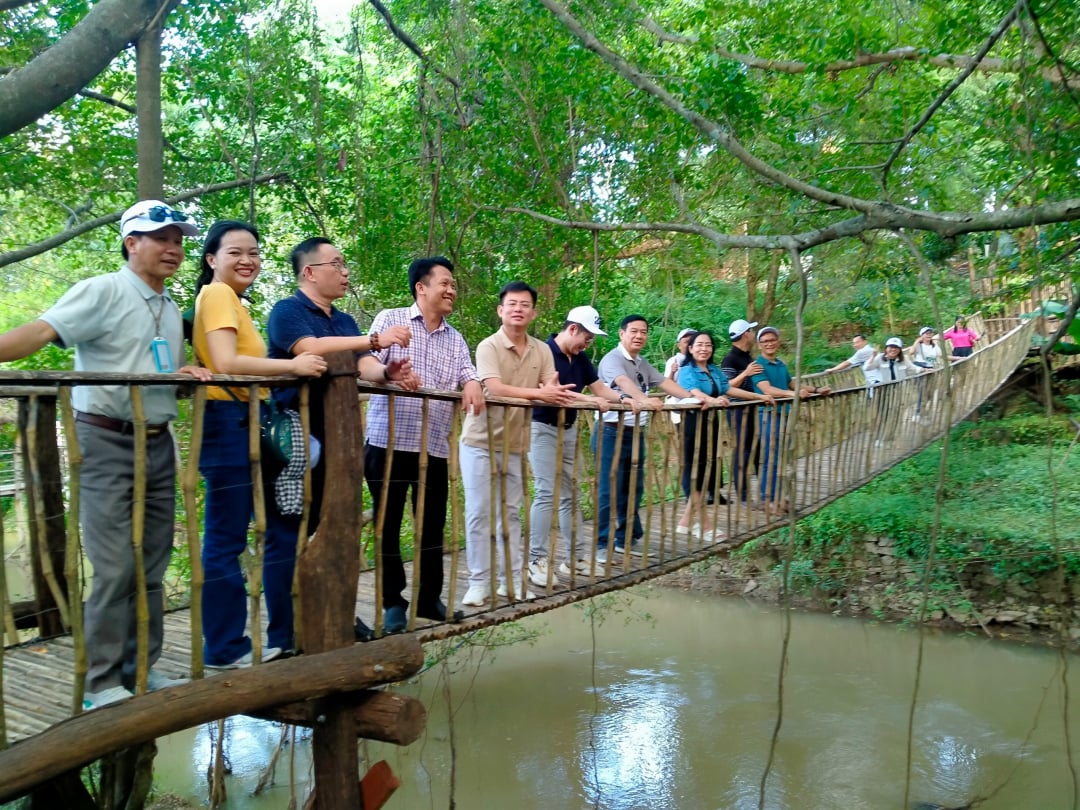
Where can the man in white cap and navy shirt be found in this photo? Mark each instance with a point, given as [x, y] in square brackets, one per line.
[573, 366]
[740, 367]
[122, 322]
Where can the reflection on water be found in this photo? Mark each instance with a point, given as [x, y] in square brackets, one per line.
[677, 711]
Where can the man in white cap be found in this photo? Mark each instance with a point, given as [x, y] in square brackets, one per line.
[740, 367]
[122, 322]
[573, 366]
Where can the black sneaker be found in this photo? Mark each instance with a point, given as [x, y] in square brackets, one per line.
[361, 631]
[395, 619]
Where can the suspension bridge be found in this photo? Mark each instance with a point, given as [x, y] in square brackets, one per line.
[831, 446]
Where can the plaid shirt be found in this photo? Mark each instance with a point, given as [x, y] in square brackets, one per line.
[441, 360]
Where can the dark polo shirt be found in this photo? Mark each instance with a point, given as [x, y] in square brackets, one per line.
[735, 362]
[293, 319]
[578, 370]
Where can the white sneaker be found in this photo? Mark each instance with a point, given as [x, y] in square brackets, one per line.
[583, 568]
[502, 591]
[114, 694]
[246, 660]
[155, 680]
[538, 573]
[476, 595]
[682, 530]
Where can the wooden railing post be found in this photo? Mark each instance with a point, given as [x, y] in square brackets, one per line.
[46, 510]
[327, 572]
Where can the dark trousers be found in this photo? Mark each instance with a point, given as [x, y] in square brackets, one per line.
[624, 471]
[742, 421]
[706, 450]
[403, 475]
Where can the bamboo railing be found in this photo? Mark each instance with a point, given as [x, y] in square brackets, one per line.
[826, 446]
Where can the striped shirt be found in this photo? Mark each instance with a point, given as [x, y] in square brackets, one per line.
[441, 359]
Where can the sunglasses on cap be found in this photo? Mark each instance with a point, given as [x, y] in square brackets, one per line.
[160, 213]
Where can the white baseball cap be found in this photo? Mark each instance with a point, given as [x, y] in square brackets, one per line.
[894, 341]
[739, 328]
[765, 330]
[926, 329]
[587, 318]
[153, 215]
[684, 333]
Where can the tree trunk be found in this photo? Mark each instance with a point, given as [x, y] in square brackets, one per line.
[62, 70]
[151, 143]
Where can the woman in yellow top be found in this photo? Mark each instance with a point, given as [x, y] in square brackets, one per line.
[226, 342]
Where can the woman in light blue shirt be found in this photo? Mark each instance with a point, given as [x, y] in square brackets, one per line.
[699, 375]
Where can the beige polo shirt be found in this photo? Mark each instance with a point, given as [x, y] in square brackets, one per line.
[496, 358]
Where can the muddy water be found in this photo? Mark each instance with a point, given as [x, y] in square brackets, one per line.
[669, 700]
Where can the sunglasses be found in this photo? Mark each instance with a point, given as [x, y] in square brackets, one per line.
[160, 213]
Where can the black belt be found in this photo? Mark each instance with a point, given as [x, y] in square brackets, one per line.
[117, 425]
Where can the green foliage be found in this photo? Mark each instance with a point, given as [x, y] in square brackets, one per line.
[997, 484]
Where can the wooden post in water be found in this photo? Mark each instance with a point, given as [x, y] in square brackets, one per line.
[327, 571]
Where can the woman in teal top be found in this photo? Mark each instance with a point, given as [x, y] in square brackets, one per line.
[704, 380]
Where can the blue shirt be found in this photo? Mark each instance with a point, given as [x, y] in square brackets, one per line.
[774, 372]
[693, 376]
[578, 370]
[293, 319]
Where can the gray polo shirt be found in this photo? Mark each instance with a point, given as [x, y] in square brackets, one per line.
[110, 320]
[638, 369]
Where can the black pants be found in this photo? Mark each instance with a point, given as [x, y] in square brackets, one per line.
[742, 421]
[403, 475]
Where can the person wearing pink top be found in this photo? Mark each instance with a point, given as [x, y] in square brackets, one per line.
[962, 339]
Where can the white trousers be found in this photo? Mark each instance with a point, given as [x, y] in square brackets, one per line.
[482, 511]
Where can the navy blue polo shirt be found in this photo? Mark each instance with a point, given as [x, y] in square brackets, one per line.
[299, 317]
[578, 370]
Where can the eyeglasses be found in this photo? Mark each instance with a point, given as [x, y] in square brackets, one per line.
[337, 264]
[159, 213]
[641, 380]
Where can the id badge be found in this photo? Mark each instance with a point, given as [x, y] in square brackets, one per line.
[159, 347]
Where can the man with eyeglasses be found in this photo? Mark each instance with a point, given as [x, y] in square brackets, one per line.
[776, 381]
[308, 321]
[573, 366]
[440, 358]
[123, 322]
[632, 376]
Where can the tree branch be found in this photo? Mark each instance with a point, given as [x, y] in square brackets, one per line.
[948, 61]
[408, 42]
[60, 71]
[950, 88]
[874, 214]
[64, 236]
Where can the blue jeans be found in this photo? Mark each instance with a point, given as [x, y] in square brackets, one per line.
[623, 472]
[224, 465]
[771, 430]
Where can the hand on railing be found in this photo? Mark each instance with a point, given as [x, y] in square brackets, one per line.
[401, 373]
[554, 393]
[198, 372]
[307, 364]
[472, 397]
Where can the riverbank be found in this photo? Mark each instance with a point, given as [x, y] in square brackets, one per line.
[1003, 558]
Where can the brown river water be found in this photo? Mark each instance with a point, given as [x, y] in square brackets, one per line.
[668, 700]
